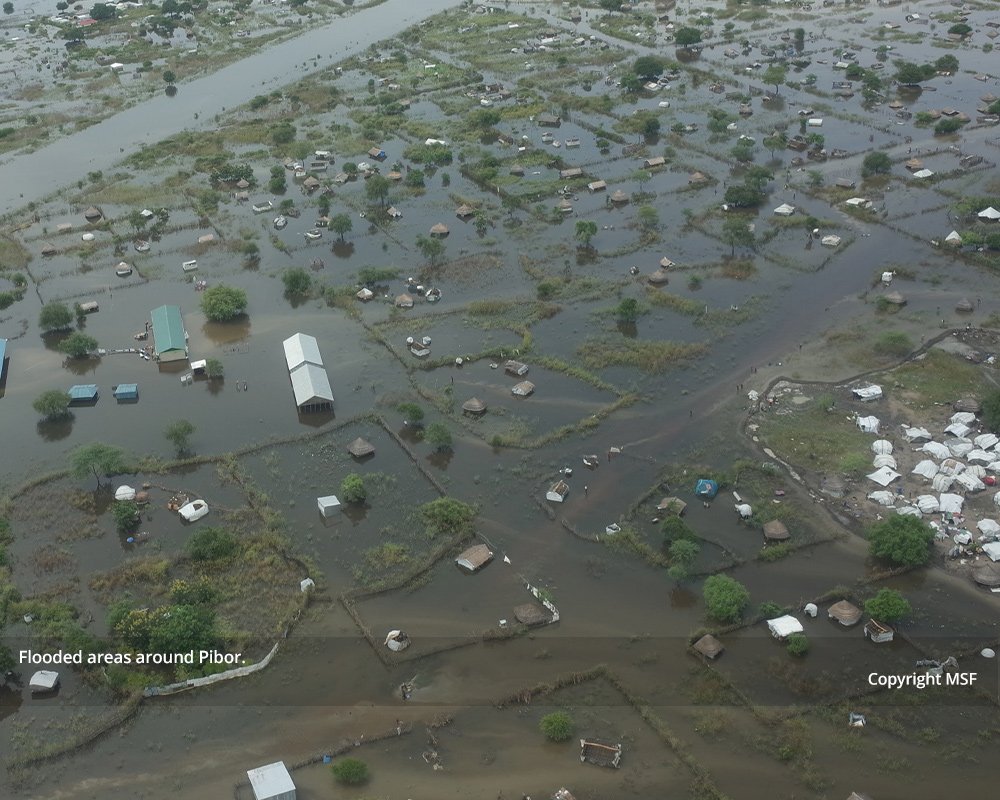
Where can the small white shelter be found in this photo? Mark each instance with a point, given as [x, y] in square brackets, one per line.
[923, 174]
[926, 468]
[958, 429]
[928, 504]
[784, 210]
[744, 510]
[988, 527]
[884, 461]
[883, 497]
[963, 417]
[935, 449]
[782, 627]
[830, 240]
[271, 782]
[959, 447]
[953, 238]
[45, 680]
[882, 447]
[866, 393]
[951, 503]
[986, 440]
[989, 214]
[970, 482]
[992, 551]
[942, 482]
[868, 424]
[194, 510]
[328, 506]
[124, 493]
[915, 434]
[883, 476]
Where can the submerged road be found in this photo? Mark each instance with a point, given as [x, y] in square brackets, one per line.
[32, 176]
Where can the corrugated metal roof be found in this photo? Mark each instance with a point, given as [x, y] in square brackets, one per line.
[83, 391]
[127, 390]
[301, 349]
[271, 780]
[168, 329]
[311, 385]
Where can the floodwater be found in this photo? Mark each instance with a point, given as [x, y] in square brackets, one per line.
[326, 686]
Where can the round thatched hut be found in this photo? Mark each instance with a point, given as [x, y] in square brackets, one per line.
[474, 406]
[440, 230]
[532, 614]
[775, 531]
[93, 214]
[360, 448]
[845, 613]
[708, 646]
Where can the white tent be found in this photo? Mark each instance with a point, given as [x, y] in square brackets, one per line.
[942, 483]
[926, 468]
[923, 173]
[951, 467]
[976, 469]
[883, 476]
[928, 503]
[953, 238]
[908, 511]
[970, 482]
[988, 527]
[981, 456]
[124, 493]
[744, 510]
[990, 214]
[868, 424]
[328, 505]
[992, 550]
[784, 210]
[301, 349]
[272, 782]
[959, 447]
[993, 466]
[870, 392]
[887, 277]
[959, 429]
[194, 510]
[962, 537]
[951, 503]
[45, 680]
[883, 498]
[311, 387]
[882, 447]
[884, 461]
[781, 627]
[963, 417]
[916, 434]
[935, 449]
[986, 440]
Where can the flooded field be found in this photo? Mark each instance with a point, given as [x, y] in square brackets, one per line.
[658, 211]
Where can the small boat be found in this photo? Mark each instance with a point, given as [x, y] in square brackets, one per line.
[314, 234]
[123, 270]
[280, 222]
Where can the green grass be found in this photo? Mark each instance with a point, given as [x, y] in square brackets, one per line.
[938, 378]
[814, 438]
[649, 356]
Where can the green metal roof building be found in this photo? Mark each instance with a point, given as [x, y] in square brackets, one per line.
[168, 334]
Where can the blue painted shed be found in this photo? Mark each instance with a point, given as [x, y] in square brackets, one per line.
[83, 393]
[127, 391]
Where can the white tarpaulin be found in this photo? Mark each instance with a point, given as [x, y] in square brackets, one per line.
[936, 449]
[981, 456]
[963, 417]
[951, 503]
[882, 447]
[988, 526]
[992, 550]
[781, 627]
[927, 468]
[884, 461]
[942, 483]
[976, 469]
[994, 466]
[883, 476]
[124, 493]
[970, 482]
[916, 434]
[883, 498]
[908, 511]
[986, 440]
[996, 498]
[868, 424]
[928, 503]
[872, 392]
[962, 537]
[951, 467]
[744, 511]
[957, 429]
[959, 447]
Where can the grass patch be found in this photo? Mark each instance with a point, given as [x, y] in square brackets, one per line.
[938, 378]
[649, 356]
[814, 437]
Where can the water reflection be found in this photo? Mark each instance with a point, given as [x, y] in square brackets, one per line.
[343, 249]
[682, 597]
[441, 459]
[316, 419]
[627, 328]
[52, 430]
[222, 333]
[355, 512]
[82, 366]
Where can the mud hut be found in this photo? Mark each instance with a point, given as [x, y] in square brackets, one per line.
[532, 614]
[474, 406]
[965, 306]
[987, 576]
[93, 214]
[565, 206]
[360, 448]
[242, 183]
[895, 298]
[464, 211]
[516, 169]
[845, 613]
[619, 198]
[523, 389]
[775, 531]
[404, 301]
[475, 558]
[48, 249]
[708, 646]
[439, 231]
[658, 277]
[696, 178]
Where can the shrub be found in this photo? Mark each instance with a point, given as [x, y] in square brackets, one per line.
[297, 281]
[223, 303]
[797, 644]
[126, 514]
[877, 163]
[902, 540]
[52, 404]
[769, 610]
[888, 606]
[350, 771]
[893, 343]
[78, 345]
[557, 726]
[211, 544]
[352, 489]
[725, 598]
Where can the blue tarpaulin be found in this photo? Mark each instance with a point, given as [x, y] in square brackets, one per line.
[706, 488]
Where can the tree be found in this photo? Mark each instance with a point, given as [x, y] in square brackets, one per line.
[52, 404]
[126, 514]
[902, 540]
[182, 629]
[585, 231]
[649, 68]
[775, 75]
[757, 178]
[947, 63]
[908, 72]
[179, 434]
[960, 29]
[97, 458]
[377, 189]
[214, 368]
[686, 37]
[8, 8]
[797, 644]
[211, 544]
[725, 598]
[353, 490]
[431, 248]
[736, 233]
[742, 152]
[447, 515]
[297, 281]
[675, 528]
[169, 76]
[611, 5]
[277, 184]
[55, 317]
[777, 141]
[439, 436]
[876, 163]
[557, 726]
[683, 553]
[102, 11]
[350, 771]
[78, 345]
[887, 606]
[649, 218]
[627, 310]
[412, 413]
[221, 303]
[341, 224]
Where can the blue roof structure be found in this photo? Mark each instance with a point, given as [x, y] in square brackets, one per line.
[82, 392]
[706, 488]
[127, 391]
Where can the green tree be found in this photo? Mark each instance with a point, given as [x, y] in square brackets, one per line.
[649, 218]
[686, 37]
[585, 231]
[683, 553]
[431, 248]
[446, 515]
[412, 413]
[214, 368]
[557, 726]
[757, 178]
[947, 63]
[777, 141]
[725, 598]
[169, 76]
[211, 544]
[438, 436]
[775, 75]
[350, 771]
[178, 433]
[353, 490]
[126, 514]
[887, 606]
[97, 458]
[611, 5]
[736, 233]
[341, 224]
[649, 68]
[52, 404]
[908, 72]
[902, 540]
[674, 528]
[377, 189]
[482, 118]
[221, 303]
[960, 29]
[297, 281]
[55, 317]
[627, 310]
[182, 629]
[8, 8]
[875, 163]
[797, 644]
[78, 345]
[283, 133]
[414, 179]
[102, 11]
[277, 183]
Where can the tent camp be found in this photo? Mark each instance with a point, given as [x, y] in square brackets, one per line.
[882, 447]
[883, 476]
[935, 449]
[916, 434]
[951, 503]
[883, 497]
[926, 468]
[928, 504]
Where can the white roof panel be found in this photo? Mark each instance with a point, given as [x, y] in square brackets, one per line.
[781, 627]
[951, 503]
[883, 476]
[927, 468]
[311, 385]
[270, 780]
[301, 349]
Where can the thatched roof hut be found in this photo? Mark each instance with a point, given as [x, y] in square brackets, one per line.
[844, 612]
[697, 177]
[965, 305]
[440, 230]
[48, 249]
[464, 211]
[360, 448]
[242, 183]
[708, 646]
[404, 301]
[987, 576]
[600, 753]
[967, 404]
[619, 197]
[92, 214]
[394, 175]
[775, 531]
[474, 406]
[516, 169]
[475, 558]
[659, 277]
[895, 298]
[532, 614]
